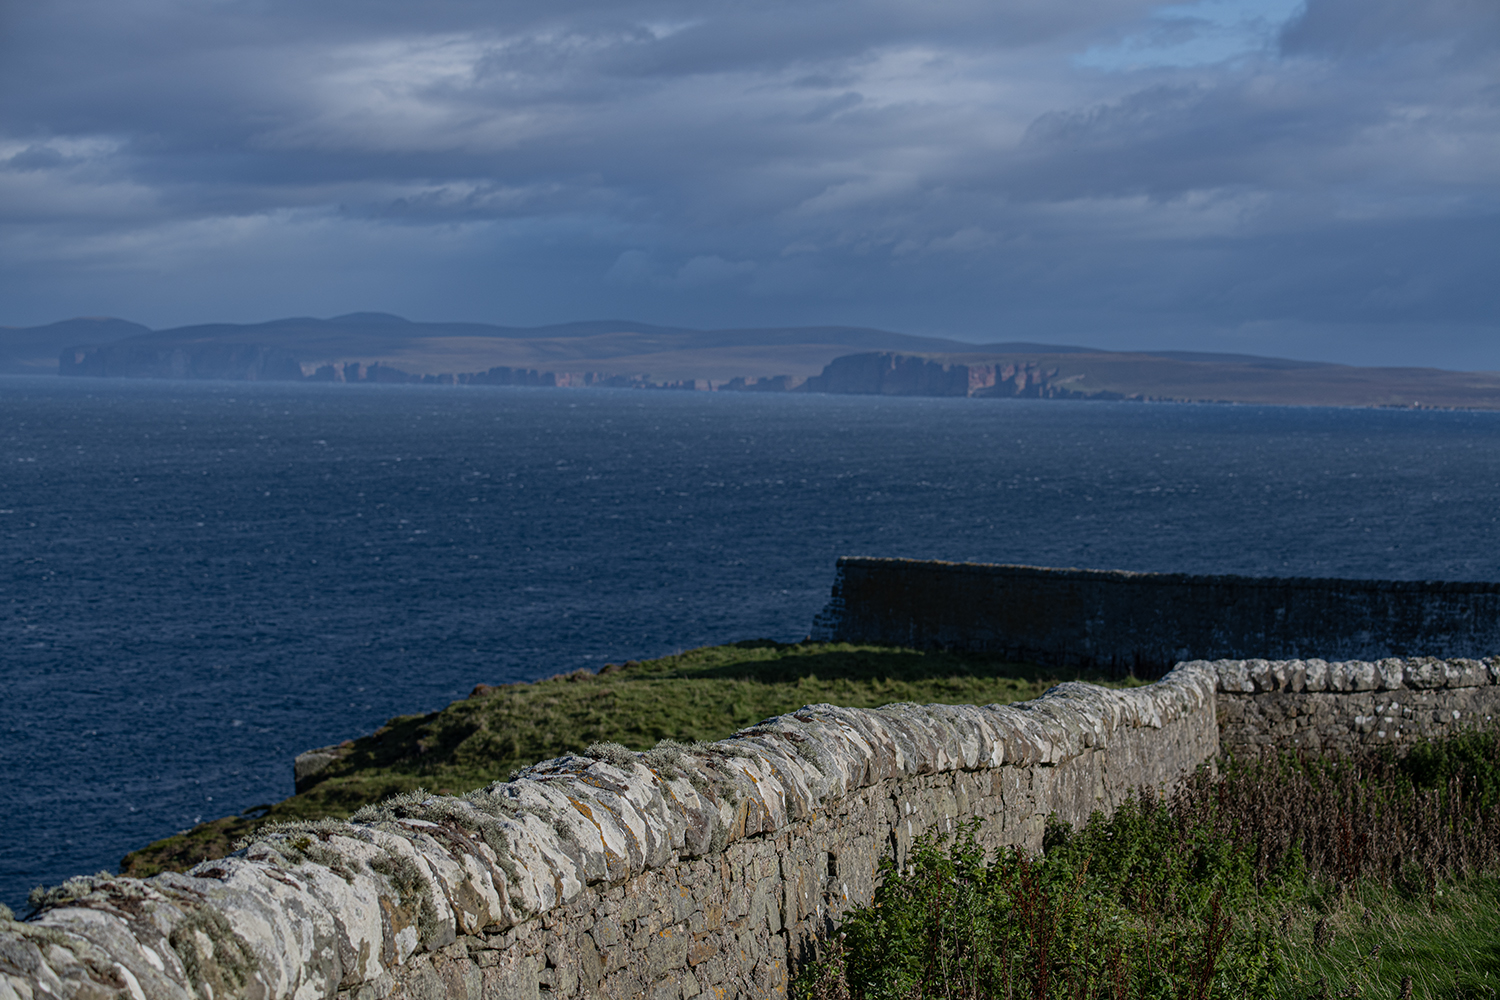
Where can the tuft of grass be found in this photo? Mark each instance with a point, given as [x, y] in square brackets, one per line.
[45, 897]
[693, 697]
[665, 757]
[611, 753]
[413, 893]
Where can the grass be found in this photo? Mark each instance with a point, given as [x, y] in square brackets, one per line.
[702, 694]
[1449, 945]
[1284, 879]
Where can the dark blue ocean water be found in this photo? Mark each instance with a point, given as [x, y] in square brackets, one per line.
[202, 579]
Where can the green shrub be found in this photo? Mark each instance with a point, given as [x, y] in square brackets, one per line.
[954, 924]
[1290, 877]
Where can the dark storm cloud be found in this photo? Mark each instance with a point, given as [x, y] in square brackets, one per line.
[1463, 29]
[1229, 174]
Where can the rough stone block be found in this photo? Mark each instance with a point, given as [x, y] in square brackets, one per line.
[667, 950]
[712, 970]
[591, 965]
[702, 948]
[666, 989]
[607, 932]
[707, 917]
[513, 981]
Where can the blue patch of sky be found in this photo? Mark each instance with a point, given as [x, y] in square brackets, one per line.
[1195, 34]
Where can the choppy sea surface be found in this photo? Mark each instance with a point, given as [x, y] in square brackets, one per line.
[202, 579]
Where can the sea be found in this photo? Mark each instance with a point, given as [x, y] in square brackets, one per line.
[202, 579]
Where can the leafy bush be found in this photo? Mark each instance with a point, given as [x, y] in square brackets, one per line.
[951, 924]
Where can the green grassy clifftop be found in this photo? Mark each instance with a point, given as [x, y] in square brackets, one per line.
[702, 694]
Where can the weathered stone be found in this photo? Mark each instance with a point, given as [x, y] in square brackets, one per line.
[514, 980]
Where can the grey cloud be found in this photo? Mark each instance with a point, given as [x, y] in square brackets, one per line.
[1464, 27]
[950, 166]
[1171, 139]
[35, 157]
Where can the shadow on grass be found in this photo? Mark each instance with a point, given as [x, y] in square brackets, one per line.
[783, 663]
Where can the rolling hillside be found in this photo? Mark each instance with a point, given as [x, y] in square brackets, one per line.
[615, 347]
[832, 359]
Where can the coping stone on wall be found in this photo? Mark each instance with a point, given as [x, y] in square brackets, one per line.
[1268, 706]
[316, 909]
[1315, 676]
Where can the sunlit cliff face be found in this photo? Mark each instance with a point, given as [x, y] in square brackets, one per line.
[1256, 175]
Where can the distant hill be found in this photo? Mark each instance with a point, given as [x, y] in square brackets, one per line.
[33, 350]
[836, 359]
[1172, 376]
[615, 347]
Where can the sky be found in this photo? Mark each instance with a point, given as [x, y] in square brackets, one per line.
[1316, 180]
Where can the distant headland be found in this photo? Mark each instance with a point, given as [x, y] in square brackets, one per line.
[379, 347]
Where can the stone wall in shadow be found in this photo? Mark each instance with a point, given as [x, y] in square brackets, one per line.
[1146, 622]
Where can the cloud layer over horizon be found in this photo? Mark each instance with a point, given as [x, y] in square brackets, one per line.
[1318, 181]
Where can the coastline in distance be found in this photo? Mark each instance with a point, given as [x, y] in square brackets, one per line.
[379, 347]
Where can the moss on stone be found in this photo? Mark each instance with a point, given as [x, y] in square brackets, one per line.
[218, 962]
[412, 891]
[81, 887]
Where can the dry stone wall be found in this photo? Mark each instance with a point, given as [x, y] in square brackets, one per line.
[671, 874]
[1314, 705]
[708, 871]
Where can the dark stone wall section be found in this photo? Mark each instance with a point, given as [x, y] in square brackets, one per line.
[1146, 622]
